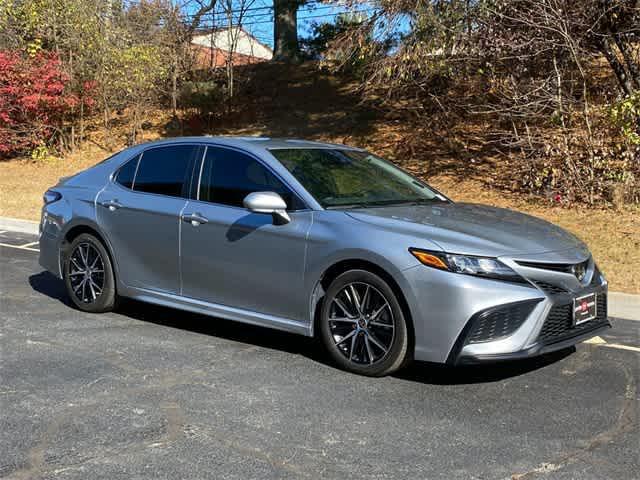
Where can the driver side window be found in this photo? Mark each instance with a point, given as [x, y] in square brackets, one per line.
[228, 176]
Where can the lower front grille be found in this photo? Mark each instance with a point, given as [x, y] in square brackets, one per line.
[499, 322]
[559, 323]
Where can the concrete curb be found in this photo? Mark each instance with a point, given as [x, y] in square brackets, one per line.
[621, 305]
[17, 225]
[624, 305]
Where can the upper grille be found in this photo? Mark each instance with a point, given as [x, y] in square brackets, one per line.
[500, 322]
[556, 267]
[558, 325]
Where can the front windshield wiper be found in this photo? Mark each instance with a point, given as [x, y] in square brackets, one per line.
[383, 203]
[422, 201]
[348, 206]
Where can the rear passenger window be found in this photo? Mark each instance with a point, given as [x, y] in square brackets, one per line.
[126, 173]
[229, 176]
[165, 170]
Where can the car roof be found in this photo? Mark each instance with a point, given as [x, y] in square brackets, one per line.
[258, 146]
[250, 143]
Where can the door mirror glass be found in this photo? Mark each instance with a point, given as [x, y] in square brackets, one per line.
[269, 203]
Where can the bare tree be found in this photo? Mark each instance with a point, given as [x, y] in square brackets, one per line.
[235, 12]
[532, 71]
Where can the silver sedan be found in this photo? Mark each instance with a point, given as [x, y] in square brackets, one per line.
[320, 240]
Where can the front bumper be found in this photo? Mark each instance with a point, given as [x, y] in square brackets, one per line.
[538, 349]
[551, 329]
[460, 319]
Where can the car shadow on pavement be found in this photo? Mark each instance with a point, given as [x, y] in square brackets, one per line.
[440, 374]
[422, 372]
[51, 286]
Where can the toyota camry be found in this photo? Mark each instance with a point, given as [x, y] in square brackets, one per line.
[320, 240]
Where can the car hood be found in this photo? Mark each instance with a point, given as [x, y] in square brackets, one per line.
[472, 229]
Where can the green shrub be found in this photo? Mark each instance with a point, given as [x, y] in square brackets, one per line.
[626, 115]
[205, 97]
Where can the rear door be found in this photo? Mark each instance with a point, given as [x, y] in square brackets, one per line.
[139, 211]
[237, 258]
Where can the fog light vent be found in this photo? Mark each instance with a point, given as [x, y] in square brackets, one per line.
[499, 322]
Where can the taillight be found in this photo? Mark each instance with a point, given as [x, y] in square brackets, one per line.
[51, 196]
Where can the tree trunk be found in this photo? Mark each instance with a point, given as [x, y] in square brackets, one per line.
[174, 86]
[134, 129]
[285, 31]
[106, 118]
[232, 40]
[625, 49]
[616, 66]
[82, 119]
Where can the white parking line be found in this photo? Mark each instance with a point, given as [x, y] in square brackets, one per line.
[18, 247]
[596, 341]
[2, 231]
[601, 342]
[622, 347]
[30, 244]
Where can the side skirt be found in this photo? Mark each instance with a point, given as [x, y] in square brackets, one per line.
[217, 310]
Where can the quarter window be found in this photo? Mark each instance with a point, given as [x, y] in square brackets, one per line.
[127, 172]
[165, 170]
[229, 176]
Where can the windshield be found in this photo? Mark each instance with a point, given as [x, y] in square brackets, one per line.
[348, 178]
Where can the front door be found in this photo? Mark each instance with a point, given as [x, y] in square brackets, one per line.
[240, 259]
[139, 212]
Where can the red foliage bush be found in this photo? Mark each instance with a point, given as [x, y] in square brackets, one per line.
[34, 99]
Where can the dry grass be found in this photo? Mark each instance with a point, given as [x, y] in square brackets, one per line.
[23, 182]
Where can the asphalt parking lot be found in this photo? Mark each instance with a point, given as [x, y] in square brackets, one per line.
[156, 393]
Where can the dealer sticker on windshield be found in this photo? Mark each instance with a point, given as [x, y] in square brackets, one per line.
[584, 308]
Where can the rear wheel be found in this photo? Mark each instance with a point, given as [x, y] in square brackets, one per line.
[362, 324]
[88, 275]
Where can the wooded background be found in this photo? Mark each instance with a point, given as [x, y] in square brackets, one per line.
[547, 90]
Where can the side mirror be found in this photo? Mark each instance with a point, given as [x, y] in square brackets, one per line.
[270, 203]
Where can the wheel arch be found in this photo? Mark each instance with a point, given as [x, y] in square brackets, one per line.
[77, 229]
[338, 268]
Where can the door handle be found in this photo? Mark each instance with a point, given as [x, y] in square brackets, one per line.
[194, 219]
[112, 205]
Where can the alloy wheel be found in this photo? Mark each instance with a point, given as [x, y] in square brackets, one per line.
[361, 323]
[86, 272]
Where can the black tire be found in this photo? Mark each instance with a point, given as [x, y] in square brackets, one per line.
[361, 355]
[89, 298]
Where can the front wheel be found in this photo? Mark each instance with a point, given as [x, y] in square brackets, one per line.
[88, 275]
[362, 324]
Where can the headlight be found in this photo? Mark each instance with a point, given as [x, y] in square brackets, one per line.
[486, 267]
[51, 196]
